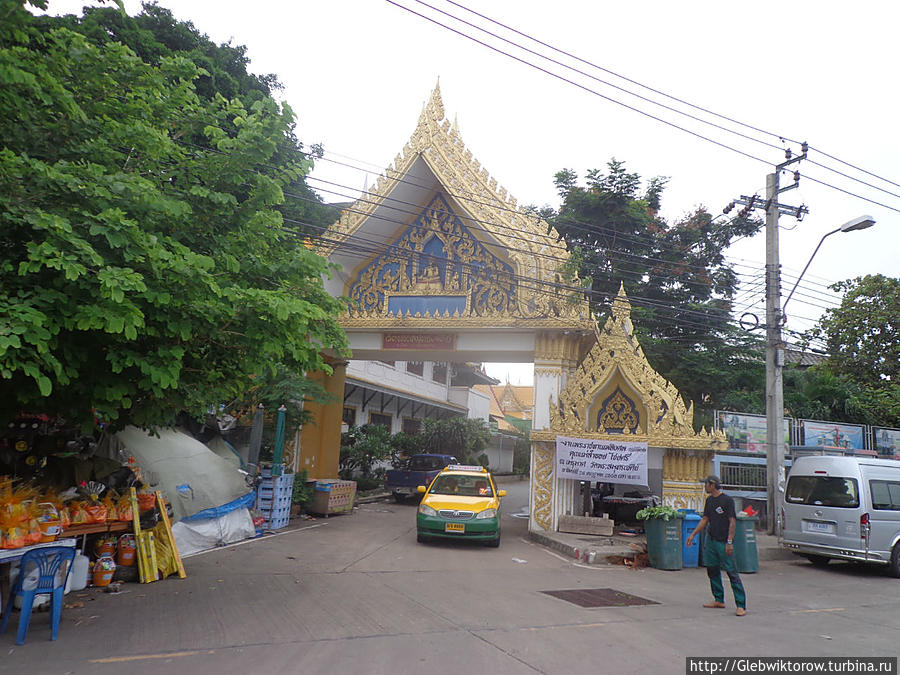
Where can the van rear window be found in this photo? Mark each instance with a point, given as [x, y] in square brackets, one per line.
[822, 491]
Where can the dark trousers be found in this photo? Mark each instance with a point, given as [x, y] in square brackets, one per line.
[716, 560]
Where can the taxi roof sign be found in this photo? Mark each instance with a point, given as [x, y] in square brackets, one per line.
[465, 467]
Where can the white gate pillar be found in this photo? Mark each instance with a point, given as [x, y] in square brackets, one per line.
[555, 356]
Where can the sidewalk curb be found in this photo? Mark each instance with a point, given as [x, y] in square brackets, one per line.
[588, 554]
[377, 497]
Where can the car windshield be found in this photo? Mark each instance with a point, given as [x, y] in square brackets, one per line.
[425, 463]
[822, 491]
[467, 486]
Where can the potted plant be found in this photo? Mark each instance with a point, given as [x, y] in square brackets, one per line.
[663, 529]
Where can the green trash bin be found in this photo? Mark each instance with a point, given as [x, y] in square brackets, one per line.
[664, 542]
[746, 556]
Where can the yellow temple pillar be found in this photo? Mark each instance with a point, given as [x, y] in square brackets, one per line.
[320, 438]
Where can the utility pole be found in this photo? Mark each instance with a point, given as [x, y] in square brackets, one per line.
[774, 357]
[774, 317]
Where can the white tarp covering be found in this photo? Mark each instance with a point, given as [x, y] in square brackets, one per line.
[191, 476]
[200, 535]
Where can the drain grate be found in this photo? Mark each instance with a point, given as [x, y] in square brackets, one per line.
[600, 597]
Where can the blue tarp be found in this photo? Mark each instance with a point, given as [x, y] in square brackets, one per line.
[217, 511]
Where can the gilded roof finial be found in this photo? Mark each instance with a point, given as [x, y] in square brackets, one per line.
[621, 311]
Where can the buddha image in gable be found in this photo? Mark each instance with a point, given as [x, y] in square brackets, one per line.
[430, 277]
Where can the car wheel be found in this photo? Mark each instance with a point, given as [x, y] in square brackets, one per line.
[494, 543]
[421, 538]
[399, 498]
[818, 560]
[894, 567]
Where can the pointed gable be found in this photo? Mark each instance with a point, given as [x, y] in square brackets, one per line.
[448, 242]
[615, 391]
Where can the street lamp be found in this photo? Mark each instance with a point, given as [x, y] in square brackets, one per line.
[775, 317]
[859, 223]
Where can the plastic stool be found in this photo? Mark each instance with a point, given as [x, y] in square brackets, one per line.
[45, 564]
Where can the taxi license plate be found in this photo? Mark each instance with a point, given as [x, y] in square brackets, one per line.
[454, 527]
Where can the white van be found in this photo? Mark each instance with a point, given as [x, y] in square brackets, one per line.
[843, 507]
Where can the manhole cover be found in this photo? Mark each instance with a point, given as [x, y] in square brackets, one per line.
[599, 597]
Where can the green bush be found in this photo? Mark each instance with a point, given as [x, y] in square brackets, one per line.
[366, 484]
[522, 457]
[302, 491]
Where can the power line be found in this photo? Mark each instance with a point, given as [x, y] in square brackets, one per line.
[633, 109]
[641, 261]
[581, 86]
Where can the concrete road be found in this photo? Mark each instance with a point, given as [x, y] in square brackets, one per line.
[357, 594]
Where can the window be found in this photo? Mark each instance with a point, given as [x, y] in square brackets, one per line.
[822, 491]
[425, 463]
[885, 495]
[454, 484]
[349, 416]
[439, 373]
[388, 363]
[412, 426]
[415, 367]
[380, 419]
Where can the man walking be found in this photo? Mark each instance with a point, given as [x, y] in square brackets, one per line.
[718, 551]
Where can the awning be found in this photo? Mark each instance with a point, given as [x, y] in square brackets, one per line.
[379, 395]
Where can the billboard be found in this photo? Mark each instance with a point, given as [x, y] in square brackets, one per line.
[747, 433]
[831, 435]
[886, 441]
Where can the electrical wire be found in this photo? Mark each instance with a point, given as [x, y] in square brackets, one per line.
[637, 110]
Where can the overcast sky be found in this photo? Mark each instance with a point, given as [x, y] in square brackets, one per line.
[356, 73]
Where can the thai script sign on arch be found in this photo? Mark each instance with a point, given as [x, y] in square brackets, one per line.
[418, 341]
[601, 461]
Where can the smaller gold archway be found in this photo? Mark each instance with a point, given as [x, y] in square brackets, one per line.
[615, 394]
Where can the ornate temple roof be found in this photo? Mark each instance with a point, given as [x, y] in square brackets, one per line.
[616, 394]
[458, 198]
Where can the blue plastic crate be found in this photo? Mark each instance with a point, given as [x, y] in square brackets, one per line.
[277, 518]
[269, 505]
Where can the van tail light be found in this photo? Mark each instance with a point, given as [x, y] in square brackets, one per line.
[864, 526]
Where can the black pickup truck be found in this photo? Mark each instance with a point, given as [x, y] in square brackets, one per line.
[419, 470]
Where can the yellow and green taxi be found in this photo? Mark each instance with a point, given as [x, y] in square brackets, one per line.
[462, 502]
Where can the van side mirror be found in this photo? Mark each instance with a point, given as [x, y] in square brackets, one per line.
[501, 493]
[421, 488]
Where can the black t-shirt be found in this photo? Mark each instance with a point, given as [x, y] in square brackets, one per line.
[719, 510]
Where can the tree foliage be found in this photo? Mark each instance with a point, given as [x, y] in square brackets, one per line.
[458, 436]
[680, 285]
[863, 333]
[863, 364]
[362, 448]
[143, 275]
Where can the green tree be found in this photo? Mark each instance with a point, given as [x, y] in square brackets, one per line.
[680, 285]
[863, 346]
[863, 333]
[361, 449]
[461, 437]
[154, 35]
[141, 276]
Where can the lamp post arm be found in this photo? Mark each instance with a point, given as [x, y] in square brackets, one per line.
[825, 236]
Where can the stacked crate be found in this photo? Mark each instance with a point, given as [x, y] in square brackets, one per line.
[333, 496]
[273, 498]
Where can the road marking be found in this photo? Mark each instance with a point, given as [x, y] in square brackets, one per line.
[564, 626]
[813, 611]
[142, 657]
